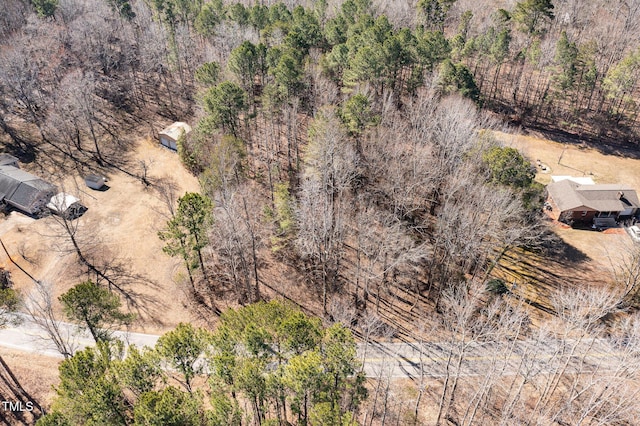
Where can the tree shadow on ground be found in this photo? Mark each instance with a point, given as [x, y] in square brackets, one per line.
[11, 391]
[600, 132]
[18, 145]
[115, 275]
[534, 276]
[558, 250]
[615, 143]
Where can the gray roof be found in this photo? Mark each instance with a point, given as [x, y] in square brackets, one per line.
[23, 190]
[7, 159]
[94, 178]
[569, 195]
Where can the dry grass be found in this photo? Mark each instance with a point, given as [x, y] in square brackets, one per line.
[578, 160]
[121, 223]
[37, 377]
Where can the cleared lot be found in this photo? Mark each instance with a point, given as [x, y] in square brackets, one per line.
[601, 248]
[121, 224]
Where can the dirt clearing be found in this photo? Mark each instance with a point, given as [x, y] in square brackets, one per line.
[575, 160]
[120, 226]
[601, 248]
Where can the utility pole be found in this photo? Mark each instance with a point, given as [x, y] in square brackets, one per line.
[562, 153]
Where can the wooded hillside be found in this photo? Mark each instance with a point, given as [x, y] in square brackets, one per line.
[347, 162]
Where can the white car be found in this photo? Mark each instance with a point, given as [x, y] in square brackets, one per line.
[634, 231]
[66, 205]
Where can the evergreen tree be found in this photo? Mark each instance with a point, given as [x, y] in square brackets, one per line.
[357, 114]
[210, 16]
[434, 12]
[432, 48]
[140, 371]
[508, 167]
[207, 74]
[182, 348]
[95, 307]
[238, 13]
[224, 103]
[244, 64]
[9, 302]
[168, 407]
[533, 15]
[259, 16]
[304, 32]
[45, 8]
[88, 393]
[458, 78]
[288, 73]
[566, 60]
[186, 233]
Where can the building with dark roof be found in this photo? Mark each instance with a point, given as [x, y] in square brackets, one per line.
[569, 200]
[8, 160]
[24, 191]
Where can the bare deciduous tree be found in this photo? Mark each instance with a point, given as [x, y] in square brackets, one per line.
[39, 305]
[237, 241]
[322, 201]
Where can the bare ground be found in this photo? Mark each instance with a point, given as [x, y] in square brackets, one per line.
[601, 249]
[32, 381]
[120, 225]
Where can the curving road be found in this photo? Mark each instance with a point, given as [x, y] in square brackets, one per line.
[393, 360]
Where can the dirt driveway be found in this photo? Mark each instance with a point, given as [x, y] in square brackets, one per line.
[602, 248]
[121, 224]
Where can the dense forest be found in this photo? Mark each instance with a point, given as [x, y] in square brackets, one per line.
[264, 361]
[345, 150]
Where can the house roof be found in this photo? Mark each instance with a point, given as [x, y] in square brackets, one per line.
[21, 188]
[175, 130]
[570, 195]
[578, 180]
[7, 159]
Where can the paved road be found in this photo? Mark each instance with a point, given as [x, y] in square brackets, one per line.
[27, 336]
[396, 360]
[431, 359]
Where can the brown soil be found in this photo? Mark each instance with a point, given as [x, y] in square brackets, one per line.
[36, 378]
[121, 223]
[578, 160]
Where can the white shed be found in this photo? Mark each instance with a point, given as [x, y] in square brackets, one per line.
[169, 136]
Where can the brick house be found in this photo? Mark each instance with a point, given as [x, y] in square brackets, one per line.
[569, 200]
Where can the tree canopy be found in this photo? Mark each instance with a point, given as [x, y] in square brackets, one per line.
[186, 233]
[268, 352]
[94, 307]
[508, 167]
[224, 103]
[9, 302]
